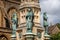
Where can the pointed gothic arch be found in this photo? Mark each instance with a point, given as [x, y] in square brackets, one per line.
[10, 12]
[3, 37]
[11, 9]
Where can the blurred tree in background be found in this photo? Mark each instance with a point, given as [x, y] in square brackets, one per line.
[55, 36]
[58, 25]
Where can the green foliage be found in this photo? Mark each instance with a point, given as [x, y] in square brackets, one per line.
[58, 25]
[55, 36]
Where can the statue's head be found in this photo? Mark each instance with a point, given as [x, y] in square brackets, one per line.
[30, 13]
[44, 13]
[29, 9]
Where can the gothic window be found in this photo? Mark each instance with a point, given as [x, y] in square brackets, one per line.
[36, 17]
[22, 16]
[22, 11]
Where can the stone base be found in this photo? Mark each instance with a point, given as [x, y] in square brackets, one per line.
[47, 37]
[13, 37]
[29, 36]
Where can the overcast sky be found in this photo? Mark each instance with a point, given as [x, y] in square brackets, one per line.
[52, 7]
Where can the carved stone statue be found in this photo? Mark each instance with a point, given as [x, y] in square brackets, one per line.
[14, 23]
[45, 20]
[29, 20]
[45, 23]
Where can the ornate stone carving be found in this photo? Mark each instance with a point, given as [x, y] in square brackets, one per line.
[29, 20]
[14, 23]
